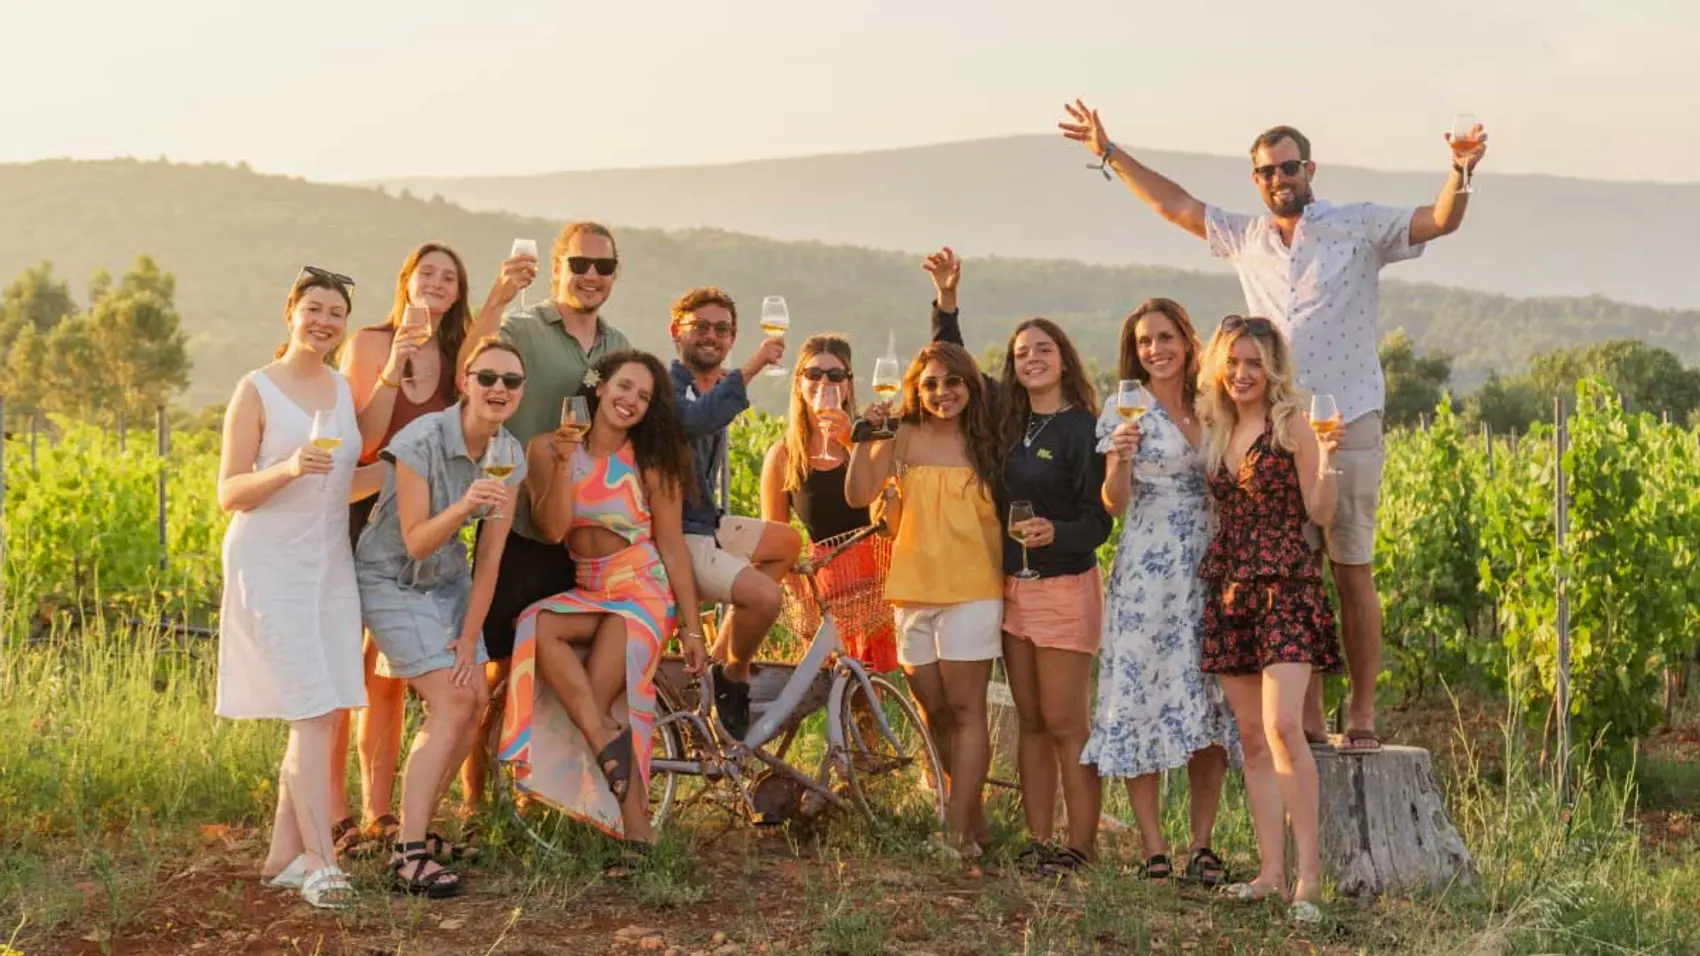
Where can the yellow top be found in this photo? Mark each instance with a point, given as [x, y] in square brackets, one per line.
[949, 543]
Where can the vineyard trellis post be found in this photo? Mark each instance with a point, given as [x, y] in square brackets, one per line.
[122, 431]
[1487, 443]
[35, 431]
[1561, 528]
[164, 458]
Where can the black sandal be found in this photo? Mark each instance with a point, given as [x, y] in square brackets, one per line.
[1156, 868]
[1063, 862]
[1034, 856]
[438, 885]
[1206, 867]
[444, 850]
[615, 759]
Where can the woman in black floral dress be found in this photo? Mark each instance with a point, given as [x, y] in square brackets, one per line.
[1267, 623]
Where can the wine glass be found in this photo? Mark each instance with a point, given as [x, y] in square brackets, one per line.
[775, 322]
[1019, 512]
[1325, 419]
[415, 325]
[1463, 141]
[325, 436]
[829, 397]
[1131, 399]
[575, 414]
[498, 463]
[888, 378]
[523, 247]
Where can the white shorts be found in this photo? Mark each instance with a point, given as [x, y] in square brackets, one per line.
[718, 559]
[971, 631]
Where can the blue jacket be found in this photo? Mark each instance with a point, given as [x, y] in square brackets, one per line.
[706, 418]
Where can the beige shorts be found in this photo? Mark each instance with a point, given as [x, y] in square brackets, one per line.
[717, 560]
[970, 631]
[1350, 540]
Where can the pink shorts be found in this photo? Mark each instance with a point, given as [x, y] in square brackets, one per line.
[1063, 613]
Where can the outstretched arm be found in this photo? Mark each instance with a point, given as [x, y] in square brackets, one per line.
[1157, 191]
[1446, 214]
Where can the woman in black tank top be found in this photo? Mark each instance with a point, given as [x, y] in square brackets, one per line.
[803, 474]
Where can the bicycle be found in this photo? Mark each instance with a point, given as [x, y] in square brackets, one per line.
[879, 759]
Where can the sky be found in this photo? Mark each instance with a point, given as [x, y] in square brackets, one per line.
[359, 89]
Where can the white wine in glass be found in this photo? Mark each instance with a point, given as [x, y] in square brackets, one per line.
[888, 378]
[498, 463]
[324, 436]
[829, 397]
[1131, 400]
[1464, 139]
[526, 248]
[575, 414]
[775, 322]
[1020, 512]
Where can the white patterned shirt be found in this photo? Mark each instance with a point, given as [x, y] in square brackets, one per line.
[1324, 292]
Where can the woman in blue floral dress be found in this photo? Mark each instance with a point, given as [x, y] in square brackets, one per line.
[1156, 709]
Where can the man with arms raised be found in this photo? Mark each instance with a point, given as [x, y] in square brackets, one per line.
[736, 560]
[1314, 269]
[558, 340]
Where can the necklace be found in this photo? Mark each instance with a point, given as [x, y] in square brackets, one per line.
[1036, 423]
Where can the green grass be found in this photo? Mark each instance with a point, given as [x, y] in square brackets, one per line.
[112, 762]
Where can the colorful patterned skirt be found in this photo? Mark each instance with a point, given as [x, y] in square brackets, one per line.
[552, 761]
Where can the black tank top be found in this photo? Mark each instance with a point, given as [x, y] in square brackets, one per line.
[821, 507]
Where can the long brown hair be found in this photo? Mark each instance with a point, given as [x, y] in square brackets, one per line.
[800, 435]
[452, 328]
[1131, 368]
[305, 283]
[1217, 412]
[979, 429]
[658, 439]
[1077, 389]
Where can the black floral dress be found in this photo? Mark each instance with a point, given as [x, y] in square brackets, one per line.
[1264, 598]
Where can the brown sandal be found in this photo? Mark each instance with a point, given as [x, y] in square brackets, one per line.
[1355, 743]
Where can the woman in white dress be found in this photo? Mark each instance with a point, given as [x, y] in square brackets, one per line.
[289, 634]
[1156, 709]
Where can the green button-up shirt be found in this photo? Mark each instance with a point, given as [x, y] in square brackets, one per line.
[555, 364]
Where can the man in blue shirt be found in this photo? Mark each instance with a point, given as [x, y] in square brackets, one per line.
[736, 560]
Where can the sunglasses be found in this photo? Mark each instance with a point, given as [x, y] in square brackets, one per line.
[950, 381]
[1291, 167]
[325, 274]
[836, 376]
[580, 265]
[488, 379]
[1255, 325]
[703, 327]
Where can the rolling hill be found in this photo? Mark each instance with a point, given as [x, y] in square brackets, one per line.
[1029, 196]
[235, 240]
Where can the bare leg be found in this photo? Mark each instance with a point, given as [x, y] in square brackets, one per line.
[1144, 793]
[1295, 769]
[475, 773]
[1035, 755]
[560, 668]
[286, 842]
[1065, 693]
[971, 744]
[380, 738]
[1204, 774]
[927, 687]
[339, 766]
[306, 773]
[756, 601]
[1360, 617]
[437, 749]
[1245, 695]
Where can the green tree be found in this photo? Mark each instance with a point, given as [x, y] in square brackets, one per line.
[142, 347]
[24, 378]
[1507, 405]
[82, 382]
[34, 298]
[1415, 383]
[1648, 378]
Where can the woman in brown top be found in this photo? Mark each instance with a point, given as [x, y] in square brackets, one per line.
[397, 376]
[1267, 623]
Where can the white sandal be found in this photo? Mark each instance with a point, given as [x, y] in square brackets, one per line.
[1306, 912]
[292, 875]
[328, 889]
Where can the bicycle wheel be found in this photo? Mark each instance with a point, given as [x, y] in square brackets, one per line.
[554, 831]
[897, 787]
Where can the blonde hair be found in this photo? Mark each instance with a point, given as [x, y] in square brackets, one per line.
[1218, 414]
[799, 429]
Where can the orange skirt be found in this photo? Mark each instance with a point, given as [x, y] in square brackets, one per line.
[1064, 613]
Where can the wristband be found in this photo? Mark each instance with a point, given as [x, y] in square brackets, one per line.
[386, 382]
[1109, 148]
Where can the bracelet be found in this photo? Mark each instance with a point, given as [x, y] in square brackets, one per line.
[1103, 164]
[386, 382]
[1109, 150]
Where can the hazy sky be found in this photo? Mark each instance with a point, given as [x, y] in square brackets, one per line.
[355, 89]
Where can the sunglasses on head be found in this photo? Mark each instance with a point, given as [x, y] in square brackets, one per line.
[836, 376]
[1291, 167]
[933, 384]
[580, 265]
[488, 378]
[704, 326]
[1255, 325]
[325, 274]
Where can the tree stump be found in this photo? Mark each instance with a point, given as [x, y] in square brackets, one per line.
[1384, 825]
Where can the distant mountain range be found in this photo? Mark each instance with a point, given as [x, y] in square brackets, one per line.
[1030, 196]
[235, 240]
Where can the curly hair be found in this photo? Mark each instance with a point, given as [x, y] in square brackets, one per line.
[1077, 389]
[1216, 409]
[1132, 369]
[693, 299]
[978, 425]
[658, 439]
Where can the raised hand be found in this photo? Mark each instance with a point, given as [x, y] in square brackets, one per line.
[1125, 440]
[517, 273]
[1086, 128]
[1469, 156]
[946, 271]
[490, 493]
